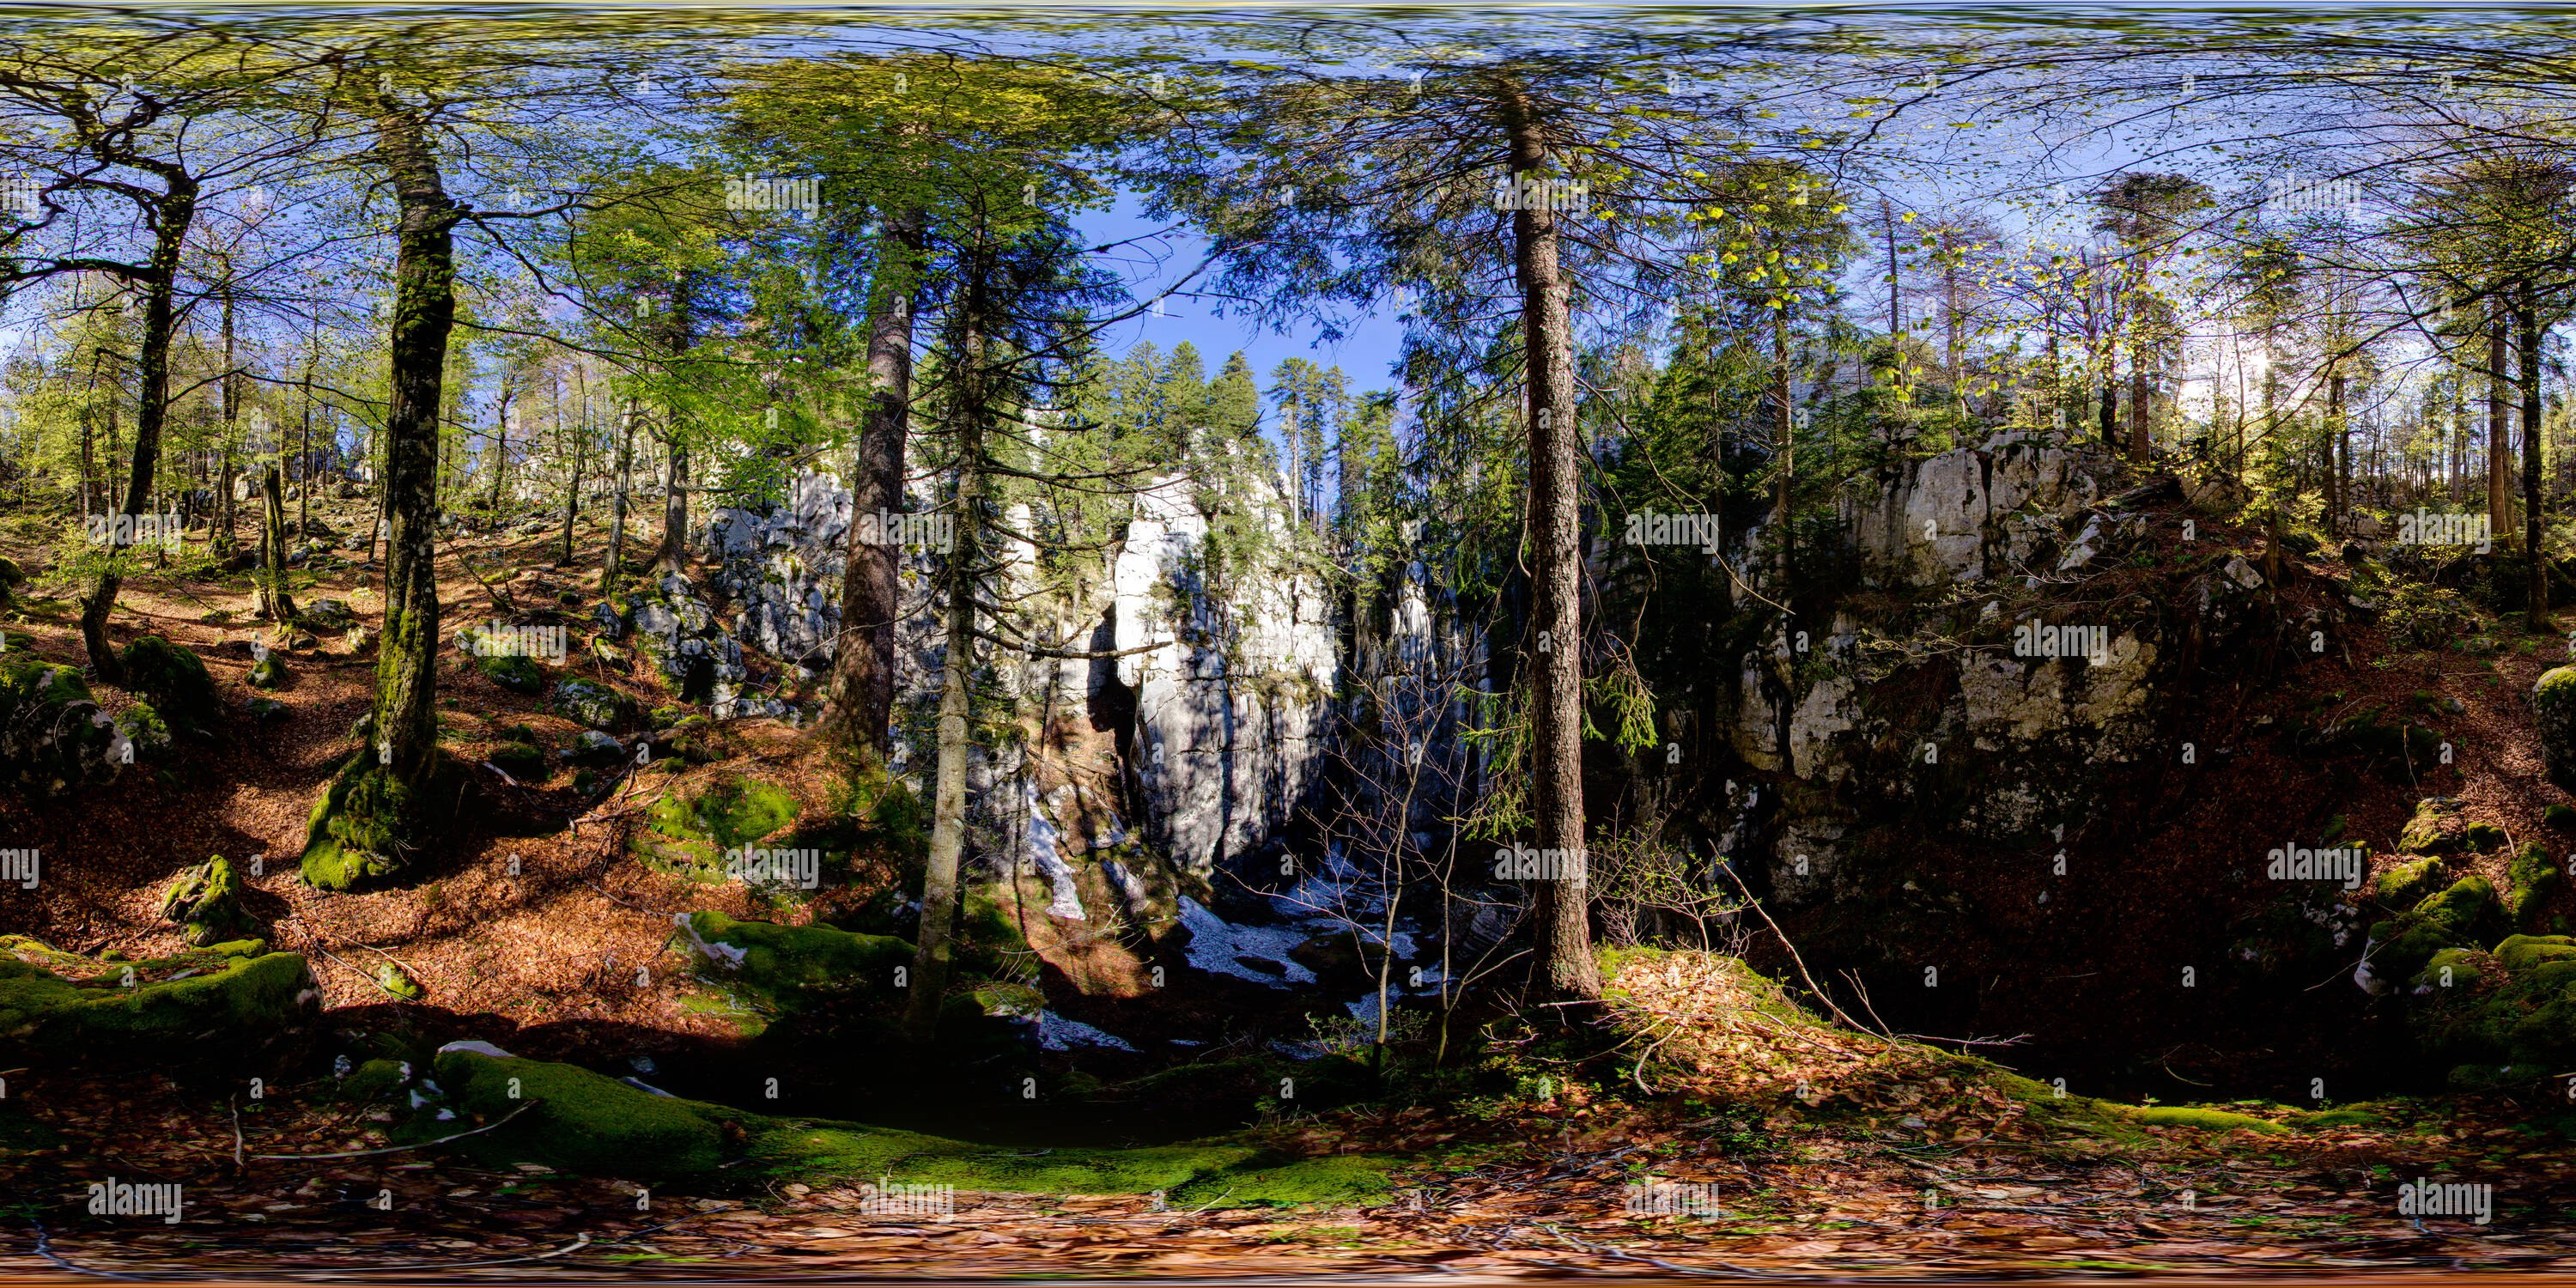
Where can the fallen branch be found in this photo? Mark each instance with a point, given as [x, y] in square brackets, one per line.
[396, 1149]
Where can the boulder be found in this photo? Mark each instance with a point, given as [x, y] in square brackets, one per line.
[266, 710]
[174, 678]
[54, 738]
[571, 1119]
[329, 616]
[595, 705]
[2437, 828]
[516, 672]
[268, 672]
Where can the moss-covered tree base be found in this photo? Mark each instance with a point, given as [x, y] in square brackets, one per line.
[369, 827]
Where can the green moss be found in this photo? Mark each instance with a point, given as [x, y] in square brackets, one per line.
[268, 672]
[144, 726]
[2408, 884]
[2436, 828]
[374, 1080]
[207, 900]
[175, 1002]
[794, 968]
[2203, 1119]
[688, 835]
[520, 761]
[582, 1121]
[368, 822]
[2483, 837]
[2530, 882]
[175, 679]
[2559, 817]
[516, 672]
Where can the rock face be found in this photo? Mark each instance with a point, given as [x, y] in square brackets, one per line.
[1887, 723]
[1230, 711]
[694, 657]
[1219, 717]
[1972, 513]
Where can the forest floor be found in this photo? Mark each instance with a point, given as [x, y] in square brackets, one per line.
[541, 962]
[1977, 1189]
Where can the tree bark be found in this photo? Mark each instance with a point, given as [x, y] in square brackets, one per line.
[1564, 965]
[957, 664]
[2141, 399]
[275, 603]
[2499, 452]
[2526, 319]
[860, 711]
[612, 573]
[174, 212]
[424, 313]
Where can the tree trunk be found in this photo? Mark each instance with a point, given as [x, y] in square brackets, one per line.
[613, 572]
[2499, 453]
[861, 709]
[501, 443]
[1564, 964]
[2526, 319]
[572, 490]
[957, 664]
[274, 602]
[2339, 455]
[2141, 399]
[2110, 427]
[674, 554]
[174, 212]
[406, 723]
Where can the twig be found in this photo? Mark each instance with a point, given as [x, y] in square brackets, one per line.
[45, 1249]
[1821, 994]
[396, 1149]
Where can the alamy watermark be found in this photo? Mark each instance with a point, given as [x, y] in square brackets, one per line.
[21, 195]
[1558, 196]
[2318, 197]
[21, 866]
[113, 1197]
[501, 640]
[1521, 863]
[2444, 528]
[751, 192]
[928, 531]
[802, 869]
[2086, 643]
[1648, 528]
[2292, 862]
[890, 1198]
[135, 530]
[1670, 1198]
[2421, 1197]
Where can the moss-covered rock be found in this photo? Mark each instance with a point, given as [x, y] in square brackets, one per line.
[207, 900]
[266, 710]
[2530, 882]
[594, 705]
[574, 1120]
[176, 682]
[522, 762]
[2519, 1009]
[146, 730]
[2464, 915]
[687, 835]
[793, 969]
[2484, 838]
[2553, 703]
[2408, 884]
[328, 617]
[235, 995]
[516, 672]
[54, 739]
[2437, 828]
[392, 978]
[269, 671]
